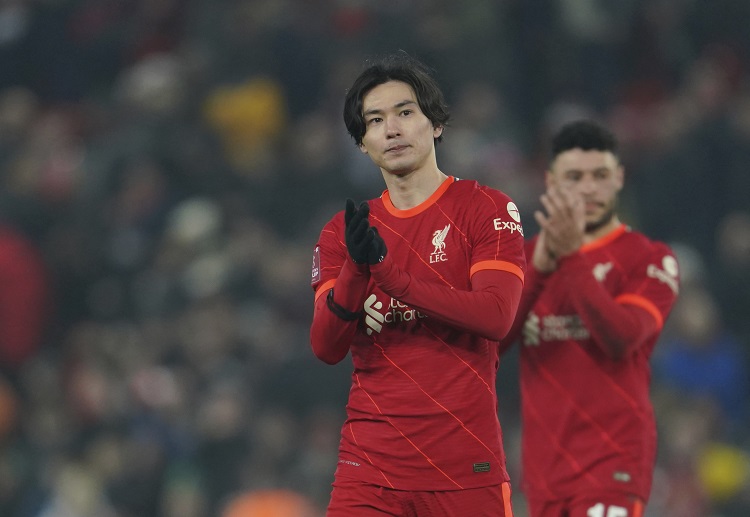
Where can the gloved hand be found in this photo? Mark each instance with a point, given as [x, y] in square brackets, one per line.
[377, 250]
[357, 234]
[363, 241]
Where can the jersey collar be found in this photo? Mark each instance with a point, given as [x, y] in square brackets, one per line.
[605, 239]
[424, 205]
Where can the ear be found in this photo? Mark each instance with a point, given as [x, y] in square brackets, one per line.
[620, 177]
[362, 148]
[437, 131]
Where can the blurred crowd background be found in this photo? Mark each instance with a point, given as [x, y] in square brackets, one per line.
[166, 167]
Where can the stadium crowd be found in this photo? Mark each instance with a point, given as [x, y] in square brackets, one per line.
[166, 166]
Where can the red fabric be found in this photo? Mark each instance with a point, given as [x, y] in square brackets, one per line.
[618, 330]
[532, 288]
[330, 336]
[365, 500]
[422, 410]
[23, 298]
[590, 505]
[588, 423]
[487, 310]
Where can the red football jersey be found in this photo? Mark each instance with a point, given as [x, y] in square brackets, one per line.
[422, 409]
[588, 423]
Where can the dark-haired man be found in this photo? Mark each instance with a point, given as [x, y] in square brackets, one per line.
[419, 285]
[595, 300]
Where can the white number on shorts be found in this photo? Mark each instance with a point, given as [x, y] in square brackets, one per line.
[598, 510]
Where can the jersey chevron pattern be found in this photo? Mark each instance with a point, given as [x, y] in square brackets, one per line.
[422, 409]
[588, 421]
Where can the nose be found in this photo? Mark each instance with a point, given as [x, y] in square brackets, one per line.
[392, 127]
[587, 184]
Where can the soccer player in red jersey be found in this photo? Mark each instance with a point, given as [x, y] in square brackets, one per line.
[419, 285]
[594, 302]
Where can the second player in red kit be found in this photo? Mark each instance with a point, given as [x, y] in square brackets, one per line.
[596, 297]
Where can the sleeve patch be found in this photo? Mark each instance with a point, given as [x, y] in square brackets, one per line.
[667, 273]
[316, 266]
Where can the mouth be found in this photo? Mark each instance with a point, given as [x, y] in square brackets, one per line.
[396, 148]
[592, 206]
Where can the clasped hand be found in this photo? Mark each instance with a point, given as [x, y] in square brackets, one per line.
[562, 228]
[363, 241]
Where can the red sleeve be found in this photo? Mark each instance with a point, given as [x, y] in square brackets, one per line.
[617, 329]
[533, 287]
[487, 310]
[331, 336]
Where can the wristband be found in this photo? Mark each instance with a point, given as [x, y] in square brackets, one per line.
[339, 311]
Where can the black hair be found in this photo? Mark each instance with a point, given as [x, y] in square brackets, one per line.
[395, 67]
[586, 135]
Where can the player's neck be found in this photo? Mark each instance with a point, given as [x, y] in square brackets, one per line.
[409, 190]
[601, 231]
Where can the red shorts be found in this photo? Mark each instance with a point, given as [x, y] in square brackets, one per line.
[352, 499]
[610, 504]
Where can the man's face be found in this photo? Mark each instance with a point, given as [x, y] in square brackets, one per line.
[399, 138]
[594, 176]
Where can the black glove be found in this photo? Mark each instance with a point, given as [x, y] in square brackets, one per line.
[377, 251]
[357, 234]
[363, 241]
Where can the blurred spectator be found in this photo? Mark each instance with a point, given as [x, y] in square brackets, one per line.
[731, 276]
[270, 503]
[250, 117]
[76, 493]
[724, 472]
[25, 297]
[683, 432]
[699, 358]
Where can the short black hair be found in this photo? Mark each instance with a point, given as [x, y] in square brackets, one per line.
[395, 67]
[584, 134]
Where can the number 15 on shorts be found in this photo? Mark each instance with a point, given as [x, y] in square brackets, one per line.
[600, 510]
